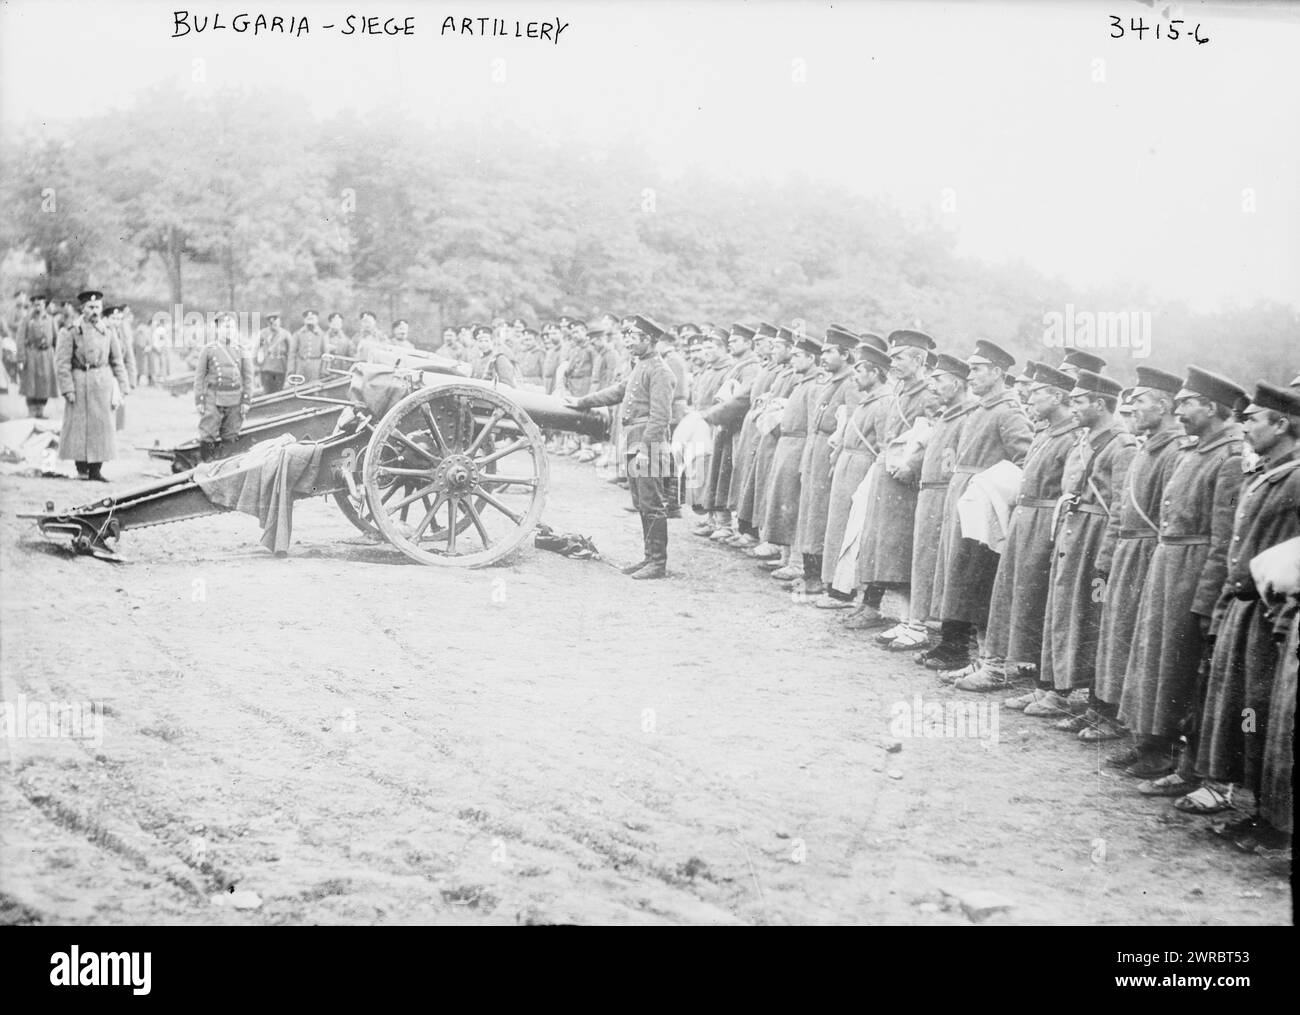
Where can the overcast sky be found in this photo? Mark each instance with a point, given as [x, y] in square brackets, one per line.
[1022, 127]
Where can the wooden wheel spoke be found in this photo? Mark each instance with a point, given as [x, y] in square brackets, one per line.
[401, 438]
[428, 518]
[422, 492]
[451, 524]
[478, 522]
[509, 449]
[487, 429]
[497, 480]
[487, 498]
[433, 426]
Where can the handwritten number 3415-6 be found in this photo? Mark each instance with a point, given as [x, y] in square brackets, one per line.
[1139, 27]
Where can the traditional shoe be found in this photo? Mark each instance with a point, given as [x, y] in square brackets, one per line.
[704, 530]
[909, 639]
[889, 634]
[985, 681]
[1052, 705]
[765, 551]
[745, 541]
[719, 534]
[1172, 784]
[773, 564]
[1151, 765]
[813, 587]
[1206, 800]
[653, 569]
[829, 602]
[1076, 723]
[1025, 700]
[794, 585]
[958, 673]
[786, 572]
[868, 619]
[1126, 757]
[947, 659]
[1105, 728]
[635, 567]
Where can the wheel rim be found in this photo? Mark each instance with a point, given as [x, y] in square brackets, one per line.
[459, 474]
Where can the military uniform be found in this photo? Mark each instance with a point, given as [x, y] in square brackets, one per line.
[88, 358]
[646, 398]
[781, 508]
[754, 497]
[273, 357]
[223, 386]
[581, 364]
[36, 338]
[937, 465]
[726, 417]
[856, 455]
[307, 348]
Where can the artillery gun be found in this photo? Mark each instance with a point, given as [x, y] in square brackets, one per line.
[450, 470]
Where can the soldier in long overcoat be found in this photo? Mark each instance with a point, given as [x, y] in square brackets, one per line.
[781, 516]
[858, 450]
[726, 417]
[704, 389]
[307, 348]
[885, 544]
[88, 359]
[768, 437]
[746, 440]
[955, 406]
[837, 389]
[36, 337]
[1235, 717]
[1135, 526]
[1082, 549]
[1015, 634]
[1160, 698]
[997, 431]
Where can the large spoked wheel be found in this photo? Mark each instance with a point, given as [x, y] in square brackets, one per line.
[455, 475]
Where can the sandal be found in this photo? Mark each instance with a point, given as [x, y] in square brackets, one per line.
[1172, 784]
[1206, 800]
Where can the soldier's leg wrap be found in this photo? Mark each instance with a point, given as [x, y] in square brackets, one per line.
[648, 498]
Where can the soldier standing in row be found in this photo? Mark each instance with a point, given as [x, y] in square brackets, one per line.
[273, 354]
[36, 338]
[88, 359]
[307, 348]
[646, 397]
[223, 387]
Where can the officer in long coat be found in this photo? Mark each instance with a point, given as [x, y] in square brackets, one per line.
[273, 354]
[1135, 527]
[781, 507]
[1163, 684]
[836, 390]
[646, 398]
[998, 431]
[955, 405]
[1082, 549]
[885, 552]
[88, 359]
[36, 338]
[223, 387]
[1235, 716]
[1014, 643]
[308, 346]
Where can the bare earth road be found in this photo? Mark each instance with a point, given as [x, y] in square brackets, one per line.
[345, 737]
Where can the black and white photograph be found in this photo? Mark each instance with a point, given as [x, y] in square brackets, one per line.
[687, 464]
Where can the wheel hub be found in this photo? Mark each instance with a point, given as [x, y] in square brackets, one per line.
[456, 474]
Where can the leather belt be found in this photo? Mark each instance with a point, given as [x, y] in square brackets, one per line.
[1185, 540]
[857, 449]
[794, 433]
[1136, 534]
[935, 485]
[1091, 509]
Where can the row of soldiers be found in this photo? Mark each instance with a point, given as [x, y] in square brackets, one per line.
[1093, 570]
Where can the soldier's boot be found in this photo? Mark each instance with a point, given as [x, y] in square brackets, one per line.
[207, 451]
[656, 565]
[93, 473]
[672, 496]
[645, 548]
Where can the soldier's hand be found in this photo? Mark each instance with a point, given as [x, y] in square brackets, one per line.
[572, 403]
[70, 398]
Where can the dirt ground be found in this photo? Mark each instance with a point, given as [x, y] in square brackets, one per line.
[345, 737]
